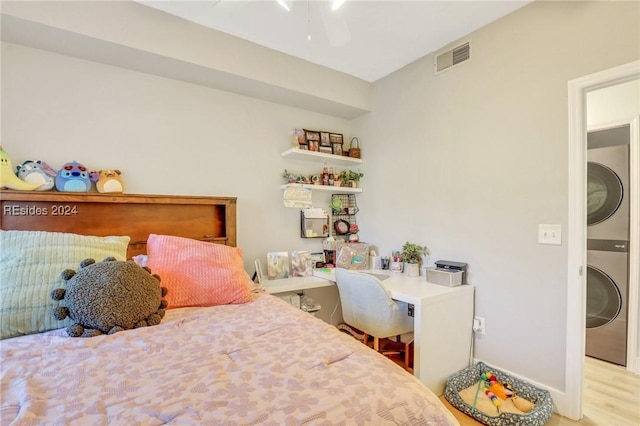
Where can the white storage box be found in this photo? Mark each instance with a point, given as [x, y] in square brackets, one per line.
[448, 277]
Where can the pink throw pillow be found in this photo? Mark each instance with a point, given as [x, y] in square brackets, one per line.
[198, 273]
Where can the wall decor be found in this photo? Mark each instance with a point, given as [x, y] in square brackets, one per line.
[337, 148]
[312, 136]
[335, 138]
[325, 140]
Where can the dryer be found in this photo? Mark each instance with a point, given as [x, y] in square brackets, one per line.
[607, 245]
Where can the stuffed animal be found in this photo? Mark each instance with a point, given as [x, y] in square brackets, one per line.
[109, 296]
[107, 181]
[37, 172]
[73, 177]
[8, 179]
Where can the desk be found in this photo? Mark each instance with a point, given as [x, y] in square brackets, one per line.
[443, 319]
[284, 285]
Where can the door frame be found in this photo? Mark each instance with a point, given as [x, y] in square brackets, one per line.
[577, 230]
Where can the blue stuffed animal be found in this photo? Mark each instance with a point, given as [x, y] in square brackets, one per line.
[73, 177]
[37, 172]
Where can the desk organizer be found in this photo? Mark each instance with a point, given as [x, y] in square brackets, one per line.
[540, 414]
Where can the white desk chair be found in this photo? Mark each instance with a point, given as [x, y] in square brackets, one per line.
[367, 306]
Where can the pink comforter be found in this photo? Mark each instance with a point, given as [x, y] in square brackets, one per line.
[259, 363]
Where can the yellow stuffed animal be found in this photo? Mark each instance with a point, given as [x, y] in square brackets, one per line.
[8, 178]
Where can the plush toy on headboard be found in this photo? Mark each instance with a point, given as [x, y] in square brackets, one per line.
[109, 296]
[108, 181]
[8, 179]
[37, 172]
[73, 177]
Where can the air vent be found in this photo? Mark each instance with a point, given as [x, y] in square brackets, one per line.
[452, 57]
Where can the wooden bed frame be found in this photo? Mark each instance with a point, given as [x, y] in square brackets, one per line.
[203, 218]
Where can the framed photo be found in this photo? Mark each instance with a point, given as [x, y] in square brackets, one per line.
[304, 146]
[311, 136]
[326, 149]
[335, 138]
[313, 145]
[301, 265]
[325, 139]
[337, 148]
[277, 265]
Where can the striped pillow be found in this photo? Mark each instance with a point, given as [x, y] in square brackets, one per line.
[31, 263]
[198, 273]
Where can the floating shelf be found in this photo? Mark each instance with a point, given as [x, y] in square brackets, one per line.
[344, 189]
[303, 154]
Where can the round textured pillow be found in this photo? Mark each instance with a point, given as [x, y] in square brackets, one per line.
[109, 296]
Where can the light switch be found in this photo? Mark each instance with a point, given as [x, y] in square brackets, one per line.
[550, 234]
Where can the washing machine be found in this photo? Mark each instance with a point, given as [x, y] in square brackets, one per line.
[607, 244]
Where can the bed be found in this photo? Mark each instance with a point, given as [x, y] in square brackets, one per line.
[224, 362]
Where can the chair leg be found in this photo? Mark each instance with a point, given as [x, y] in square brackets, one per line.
[376, 344]
[365, 339]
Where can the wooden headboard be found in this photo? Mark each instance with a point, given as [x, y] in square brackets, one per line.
[203, 218]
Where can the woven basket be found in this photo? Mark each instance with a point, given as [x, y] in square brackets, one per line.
[354, 148]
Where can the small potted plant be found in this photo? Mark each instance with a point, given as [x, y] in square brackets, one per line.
[411, 256]
[350, 177]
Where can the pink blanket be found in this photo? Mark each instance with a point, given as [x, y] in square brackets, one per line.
[263, 362]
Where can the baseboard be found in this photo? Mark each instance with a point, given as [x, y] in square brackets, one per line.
[559, 397]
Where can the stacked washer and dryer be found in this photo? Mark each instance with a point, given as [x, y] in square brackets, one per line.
[607, 244]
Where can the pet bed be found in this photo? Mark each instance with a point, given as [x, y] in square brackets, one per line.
[460, 382]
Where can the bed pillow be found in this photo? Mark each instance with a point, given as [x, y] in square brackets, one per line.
[198, 273]
[31, 264]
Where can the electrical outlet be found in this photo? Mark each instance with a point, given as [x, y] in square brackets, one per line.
[478, 325]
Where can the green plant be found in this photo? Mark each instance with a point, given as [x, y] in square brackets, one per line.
[347, 175]
[411, 252]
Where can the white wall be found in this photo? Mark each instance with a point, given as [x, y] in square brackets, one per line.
[166, 136]
[470, 161]
[613, 105]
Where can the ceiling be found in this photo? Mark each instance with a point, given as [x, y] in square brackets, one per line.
[366, 39]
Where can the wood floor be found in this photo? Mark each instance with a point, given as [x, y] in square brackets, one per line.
[611, 398]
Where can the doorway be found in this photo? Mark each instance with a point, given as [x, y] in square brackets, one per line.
[577, 225]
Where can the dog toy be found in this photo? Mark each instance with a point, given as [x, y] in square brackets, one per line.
[522, 404]
[8, 179]
[107, 181]
[495, 390]
[73, 177]
[37, 172]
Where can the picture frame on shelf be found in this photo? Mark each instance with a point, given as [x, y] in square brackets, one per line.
[303, 146]
[336, 148]
[312, 136]
[325, 139]
[313, 146]
[299, 137]
[325, 149]
[336, 138]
